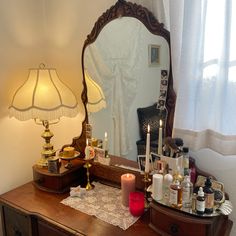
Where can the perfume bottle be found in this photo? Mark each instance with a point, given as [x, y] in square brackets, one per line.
[187, 191]
[177, 174]
[175, 194]
[209, 196]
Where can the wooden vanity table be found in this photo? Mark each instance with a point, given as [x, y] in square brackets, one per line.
[29, 211]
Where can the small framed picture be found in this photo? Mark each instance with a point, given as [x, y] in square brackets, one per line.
[142, 161]
[159, 166]
[153, 55]
[99, 152]
[163, 94]
[155, 157]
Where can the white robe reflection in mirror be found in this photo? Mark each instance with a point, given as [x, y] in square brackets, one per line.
[114, 69]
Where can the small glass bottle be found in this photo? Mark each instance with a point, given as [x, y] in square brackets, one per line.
[175, 194]
[167, 181]
[177, 174]
[209, 196]
[200, 203]
[186, 160]
[194, 199]
[187, 191]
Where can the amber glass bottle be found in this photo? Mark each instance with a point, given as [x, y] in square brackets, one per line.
[175, 194]
[209, 196]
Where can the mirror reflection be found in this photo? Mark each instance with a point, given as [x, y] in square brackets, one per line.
[123, 73]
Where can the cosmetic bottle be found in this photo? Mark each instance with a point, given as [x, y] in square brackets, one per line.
[187, 191]
[186, 160]
[209, 196]
[167, 181]
[175, 194]
[177, 174]
[200, 203]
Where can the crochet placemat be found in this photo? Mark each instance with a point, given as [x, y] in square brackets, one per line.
[104, 202]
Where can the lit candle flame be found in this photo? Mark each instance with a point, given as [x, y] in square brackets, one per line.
[148, 128]
[87, 141]
[160, 123]
[105, 134]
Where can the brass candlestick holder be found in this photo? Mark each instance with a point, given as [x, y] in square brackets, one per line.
[89, 186]
[146, 180]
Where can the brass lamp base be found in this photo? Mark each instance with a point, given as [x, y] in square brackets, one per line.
[42, 162]
[48, 150]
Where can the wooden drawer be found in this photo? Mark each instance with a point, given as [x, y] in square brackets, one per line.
[167, 221]
[47, 229]
[15, 223]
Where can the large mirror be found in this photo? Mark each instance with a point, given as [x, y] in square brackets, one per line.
[127, 73]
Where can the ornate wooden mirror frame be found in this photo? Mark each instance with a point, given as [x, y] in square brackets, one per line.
[127, 9]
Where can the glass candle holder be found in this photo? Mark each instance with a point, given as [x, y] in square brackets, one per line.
[136, 203]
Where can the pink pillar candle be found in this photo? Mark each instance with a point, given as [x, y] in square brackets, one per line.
[127, 186]
[136, 203]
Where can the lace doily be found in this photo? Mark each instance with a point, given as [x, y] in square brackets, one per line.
[104, 202]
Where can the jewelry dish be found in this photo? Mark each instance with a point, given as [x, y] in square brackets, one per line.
[69, 165]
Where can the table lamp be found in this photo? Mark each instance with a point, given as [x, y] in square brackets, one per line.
[44, 98]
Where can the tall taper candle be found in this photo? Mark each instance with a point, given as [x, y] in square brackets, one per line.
[147, 163]
[160, 139]
[105, 142]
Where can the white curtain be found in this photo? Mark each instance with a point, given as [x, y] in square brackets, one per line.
[159, 8]
[203, 33]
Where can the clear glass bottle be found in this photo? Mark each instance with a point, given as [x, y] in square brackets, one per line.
[175, 194]
[209, 196]
[186, 160]
[187, 191]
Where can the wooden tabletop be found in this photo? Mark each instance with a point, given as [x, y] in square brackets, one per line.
[47, 206]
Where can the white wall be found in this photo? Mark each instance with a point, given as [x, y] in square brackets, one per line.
[31, 32]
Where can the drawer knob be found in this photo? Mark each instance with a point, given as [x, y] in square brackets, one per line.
[174, 229]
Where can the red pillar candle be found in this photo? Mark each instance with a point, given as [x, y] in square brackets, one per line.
[127, 186]
[136, 203]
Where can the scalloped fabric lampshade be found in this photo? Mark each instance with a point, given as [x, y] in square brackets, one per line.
[43, 96]
[96, 98]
